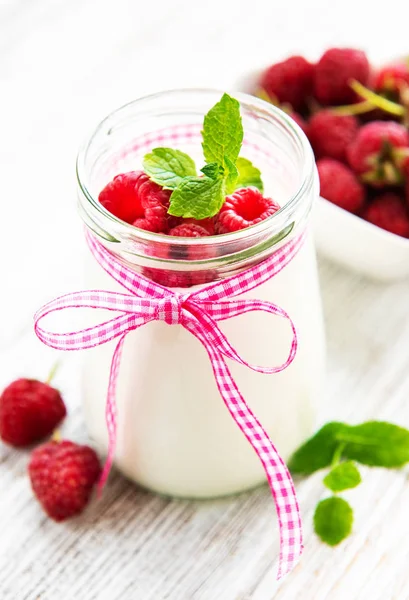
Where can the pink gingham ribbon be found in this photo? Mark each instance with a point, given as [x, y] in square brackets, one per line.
[197, 311]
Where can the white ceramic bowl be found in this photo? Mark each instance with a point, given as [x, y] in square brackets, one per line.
[348, 239]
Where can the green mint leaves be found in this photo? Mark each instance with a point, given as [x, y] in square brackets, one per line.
[333, 519]
[337, 446]
[249, 175]
[202, 197]
[197, 198]
[168, 167]
[222, 131]
[375, 443]
[344, 476]
[317, 452]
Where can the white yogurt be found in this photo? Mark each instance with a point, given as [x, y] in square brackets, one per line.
[175, 435]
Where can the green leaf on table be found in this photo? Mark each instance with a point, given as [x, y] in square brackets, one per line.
[197, 198]
[249, 175]
[213, 170]
[168, 167]
[376, 443]
[222, 131]
[343, 477]
[317, 452]
[333, 520]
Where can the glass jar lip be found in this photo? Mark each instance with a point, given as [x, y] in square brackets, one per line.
[247, 100]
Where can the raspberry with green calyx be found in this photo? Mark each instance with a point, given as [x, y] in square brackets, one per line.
[379, 152]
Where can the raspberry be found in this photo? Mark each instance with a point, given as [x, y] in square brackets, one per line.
[378, 152]
[29, 411]
[339, 185]
[207, 224]
[145, 224]
[331, 134]
[334, 71]
[121, 198]
[391, 79]
[300, 122]
[388, 211]
[180, 279]
[289, 81]
[62, 476]
[244, 208]
[189, 230]
[155, 203]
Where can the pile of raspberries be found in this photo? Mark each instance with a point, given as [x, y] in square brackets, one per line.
[137, 200]
[362, 149]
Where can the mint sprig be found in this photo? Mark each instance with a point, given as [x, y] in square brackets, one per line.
[337, 446]
[197, 198]
[333, 520]
[248, 175]
[224, 172]
[168, 167]
[344, 476]
[222, 131]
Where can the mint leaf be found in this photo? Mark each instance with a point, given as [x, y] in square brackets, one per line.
[333, 519]
[168, 167]
[222, 131]
[249, 175]
[343, 477]
[317, 452]
[232, 175]
[376, 443]
[197, 198]
[213, 170]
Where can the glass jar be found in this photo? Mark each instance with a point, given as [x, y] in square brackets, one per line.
[175, 435]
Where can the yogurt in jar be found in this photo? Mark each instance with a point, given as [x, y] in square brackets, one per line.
[175, 435]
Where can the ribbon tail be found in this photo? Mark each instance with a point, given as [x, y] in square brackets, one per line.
[111, 414]
[278, 476]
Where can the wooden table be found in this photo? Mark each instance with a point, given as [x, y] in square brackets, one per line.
[63, 66]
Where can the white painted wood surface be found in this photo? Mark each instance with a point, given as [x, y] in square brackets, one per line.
[63, 65]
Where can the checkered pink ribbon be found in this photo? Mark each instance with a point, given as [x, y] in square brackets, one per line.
[197, 311]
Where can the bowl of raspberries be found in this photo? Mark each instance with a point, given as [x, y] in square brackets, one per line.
[356, 118]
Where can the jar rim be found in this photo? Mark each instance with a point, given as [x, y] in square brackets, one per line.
[247, 101]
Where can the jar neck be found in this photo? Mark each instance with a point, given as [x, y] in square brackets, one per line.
[271, 140]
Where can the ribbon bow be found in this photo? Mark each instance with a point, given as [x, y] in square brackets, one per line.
[198, 312]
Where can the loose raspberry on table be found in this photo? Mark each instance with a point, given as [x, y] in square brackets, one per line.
[339, 185]
[289, 81]
[388, 212]
[29, 411]
[379, 152]
[120, 196]
[244, 208]
[331, 134]
[63, 475]
[335, 70]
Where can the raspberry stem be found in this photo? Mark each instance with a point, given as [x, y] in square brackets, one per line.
[377, 100]
[53, 372]
[56, 437]
[359, 108]
[262, 94]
